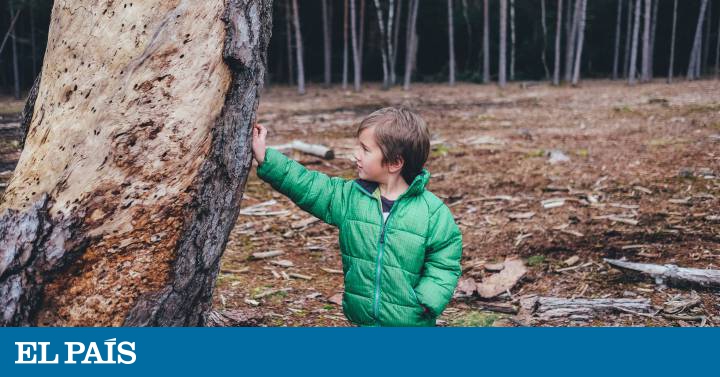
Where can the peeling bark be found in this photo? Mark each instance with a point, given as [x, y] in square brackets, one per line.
[135, 163]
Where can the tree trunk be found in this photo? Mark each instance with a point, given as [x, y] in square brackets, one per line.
[502, 80]
[288, 28]
[299, 48]
[628, 38]
[672, 44]
[345, 46]
[633, 53]
[706, 49]
[580, 43]
[361, 40]
[717, 51]
[389, 34]
[512, 40]
[410, 42]
[383, 45]
[468, 26]
[33, 42]
[13, 45]
[326, 44]
[616, 54]
[558, 45]
[486, 42]
[356, 56]
[134, 167]
[451, 44]
[543, 24]
[571, 30]
[693, 66]
[653, 33]
[645, 75]
[10, 29]
[396, 41]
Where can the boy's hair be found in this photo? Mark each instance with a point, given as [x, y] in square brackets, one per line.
[400, 133]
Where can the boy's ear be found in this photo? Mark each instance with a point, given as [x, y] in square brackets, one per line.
[396, 165]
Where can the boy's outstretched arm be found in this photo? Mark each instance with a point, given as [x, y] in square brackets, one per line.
[314, 192]
[442, 262]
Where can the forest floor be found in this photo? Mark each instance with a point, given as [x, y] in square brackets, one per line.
[638, 177]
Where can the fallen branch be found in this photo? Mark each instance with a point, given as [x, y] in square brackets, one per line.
[671, 273]
[585, 308]
[313, 149]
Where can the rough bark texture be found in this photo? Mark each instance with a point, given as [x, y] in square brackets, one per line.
[134, 163]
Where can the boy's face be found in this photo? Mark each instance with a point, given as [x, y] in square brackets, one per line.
[368, 157]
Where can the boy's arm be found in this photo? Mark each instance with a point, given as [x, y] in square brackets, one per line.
[312, 191]
[442, 262]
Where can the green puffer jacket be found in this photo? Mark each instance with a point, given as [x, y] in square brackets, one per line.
[391, 270]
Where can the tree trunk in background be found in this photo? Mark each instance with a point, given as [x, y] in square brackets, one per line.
[672, 44]
[616, 53]
[327, 53]
[580, 43]
[13, 45]
[653, 33]
[468, 26]
[288, 28]
[361, 36]
[628, 38]
[486, 42]
[693, 65]
[558, 45]
[390, 47]
[717, 50]
[543, 24]
[383, 45]
[410, 42]
[451, 44]
[129, 184]
[356, 56]
[706, 49]
[396, 41]
[632, 79]
[512, 40]
[645, 67]
[502, 80]
[571, 32]
[299, 49]
[345, 46]
[33, 43]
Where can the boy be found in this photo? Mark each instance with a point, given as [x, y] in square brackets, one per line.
[399, 243]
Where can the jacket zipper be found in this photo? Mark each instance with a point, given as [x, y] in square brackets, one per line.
[381, 249]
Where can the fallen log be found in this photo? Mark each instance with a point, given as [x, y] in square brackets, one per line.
[671, 273]
[313, 149]
[550, 308]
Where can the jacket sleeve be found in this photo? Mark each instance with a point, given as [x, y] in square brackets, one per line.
[442, 262]
[314, 192]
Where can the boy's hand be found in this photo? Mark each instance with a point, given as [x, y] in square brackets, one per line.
[258, 143]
